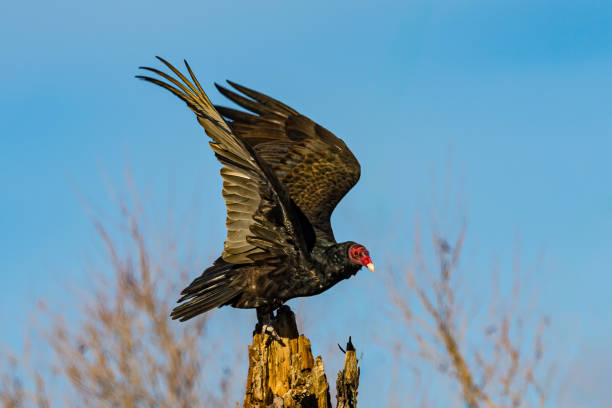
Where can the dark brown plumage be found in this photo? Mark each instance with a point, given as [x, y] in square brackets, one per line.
[283, 175]
[316, 167]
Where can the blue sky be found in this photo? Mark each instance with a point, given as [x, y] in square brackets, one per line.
[515, 94]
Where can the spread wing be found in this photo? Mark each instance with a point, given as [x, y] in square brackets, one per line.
[315, 166]
[262, 221]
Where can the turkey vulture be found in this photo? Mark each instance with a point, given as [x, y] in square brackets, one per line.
[283, 175]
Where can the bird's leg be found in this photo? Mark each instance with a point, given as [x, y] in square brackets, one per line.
[265, 321]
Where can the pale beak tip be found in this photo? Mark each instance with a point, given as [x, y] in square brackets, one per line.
[370, 266]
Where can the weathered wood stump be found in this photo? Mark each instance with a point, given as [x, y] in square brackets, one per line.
[348, 379]
[285, 374]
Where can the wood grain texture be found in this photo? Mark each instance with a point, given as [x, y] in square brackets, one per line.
[286, 375]
[348, 380]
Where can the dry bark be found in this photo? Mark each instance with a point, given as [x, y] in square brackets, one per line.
[284, 374]
[348, 379]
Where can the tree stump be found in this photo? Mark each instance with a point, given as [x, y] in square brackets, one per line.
[348, 379]
[285, 374]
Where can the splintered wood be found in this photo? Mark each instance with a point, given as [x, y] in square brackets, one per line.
[348, 379]
[285, 375]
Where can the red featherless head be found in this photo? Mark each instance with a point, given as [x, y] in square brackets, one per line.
[358, 254]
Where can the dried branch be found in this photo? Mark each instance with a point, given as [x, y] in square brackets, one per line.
[120, 348]
[508, 372]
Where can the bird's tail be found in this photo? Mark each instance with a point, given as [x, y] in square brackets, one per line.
[210, 290]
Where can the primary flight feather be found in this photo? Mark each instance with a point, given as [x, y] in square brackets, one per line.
[283, 175]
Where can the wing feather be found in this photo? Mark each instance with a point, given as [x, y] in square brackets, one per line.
[315, 166]
[261, 223]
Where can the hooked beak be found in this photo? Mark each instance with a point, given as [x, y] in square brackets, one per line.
[370, 266]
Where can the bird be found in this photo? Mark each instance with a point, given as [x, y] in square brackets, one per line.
[283, 175]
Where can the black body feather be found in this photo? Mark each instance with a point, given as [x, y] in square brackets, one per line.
[283, 175]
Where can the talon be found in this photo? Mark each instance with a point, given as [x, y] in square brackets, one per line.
[271, 332]
[266, 322]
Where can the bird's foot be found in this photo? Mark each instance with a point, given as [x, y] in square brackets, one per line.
[266, 321]
[271, 332]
